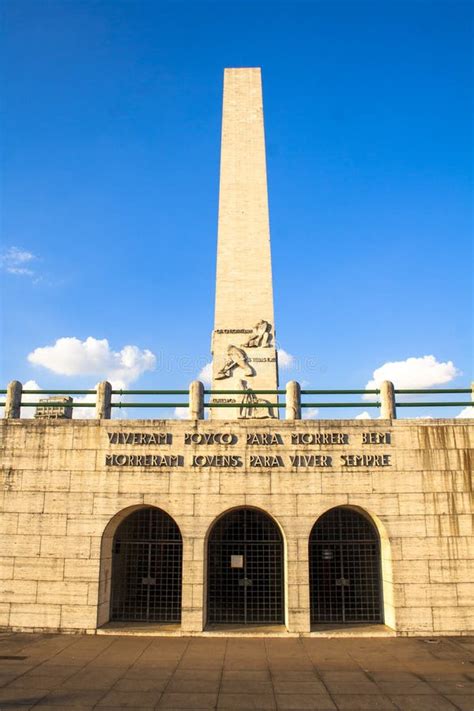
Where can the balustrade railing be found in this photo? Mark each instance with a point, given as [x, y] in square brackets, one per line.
[197, 399]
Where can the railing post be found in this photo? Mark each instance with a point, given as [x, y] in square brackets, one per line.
[196, 400]
[388, 410]
[13, 400]
[293, 401]
[103, 409]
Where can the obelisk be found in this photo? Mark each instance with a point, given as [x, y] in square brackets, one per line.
[243, 343]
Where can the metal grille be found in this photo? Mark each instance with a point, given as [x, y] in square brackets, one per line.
[146, 568]
[252, 593]
[344, 569]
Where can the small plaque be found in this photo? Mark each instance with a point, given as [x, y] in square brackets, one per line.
[236, 561]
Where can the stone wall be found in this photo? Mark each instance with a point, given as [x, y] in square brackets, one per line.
[61, 503]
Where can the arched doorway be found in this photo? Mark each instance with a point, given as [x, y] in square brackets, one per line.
[245, 569]
[344, 569]
[147, 556]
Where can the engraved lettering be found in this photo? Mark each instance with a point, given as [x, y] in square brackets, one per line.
[262, 438]
[265, 460]
[302, 438]
[366, 460]
[376, 438]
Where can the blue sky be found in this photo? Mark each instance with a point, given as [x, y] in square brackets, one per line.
[111, 119]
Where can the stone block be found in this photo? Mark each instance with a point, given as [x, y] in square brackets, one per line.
[4, 614]
[20, 546]
[23, 502]
[104, 482]
[78, 616]
[397, 482]
[72, 460]
[110, 504]
[175, 505]
[39, 569]
[65, 547]
[18, 590]
[449, 525]
[206, 484]
[405, 526]
[87, 526]
[192, 620]
[216, 503]
[79, 569]
[65, 502]
[452, 619]
[297, 483]
[274, 504]
[405, 571]
[8, 524]
[450, 571]
[146, 483]
[436, 548]
[6, 567]
[35, 615]
[359, 482]
[10, 480]
[315, 507]
[63, 592]
[417, 619]
[298, 621]
[444, 481]
[430, 594]
[92, 593]
[465, 593]
[43, 524]
[33, 480]
[239, 483]
[412, 504]
[449, 503]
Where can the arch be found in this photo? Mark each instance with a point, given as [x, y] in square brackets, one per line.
[141, 567]
[345, 568]
[245, 568]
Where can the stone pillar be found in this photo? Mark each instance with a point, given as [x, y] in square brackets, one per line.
[103, 409]
[243, 341]
[192, 610]
[13, 400]
[387, 401]
[293, 400]
[196, 400]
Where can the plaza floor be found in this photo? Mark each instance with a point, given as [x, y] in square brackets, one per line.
[349, 674]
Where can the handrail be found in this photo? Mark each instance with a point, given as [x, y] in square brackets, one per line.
[196, 402]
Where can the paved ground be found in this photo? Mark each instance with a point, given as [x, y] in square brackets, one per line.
[112, 672]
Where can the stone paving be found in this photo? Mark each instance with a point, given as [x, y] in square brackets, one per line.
[53, 672]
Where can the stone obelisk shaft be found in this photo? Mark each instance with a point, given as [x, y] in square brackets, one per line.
[243, 341]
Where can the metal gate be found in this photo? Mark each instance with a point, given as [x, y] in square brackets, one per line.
[146, 568]
[344, 569]
[245, 569]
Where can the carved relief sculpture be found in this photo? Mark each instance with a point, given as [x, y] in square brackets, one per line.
[248, 403]
[262, 335]
[236, 358]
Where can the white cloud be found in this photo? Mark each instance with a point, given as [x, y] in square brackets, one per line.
[71, 356]
[413, 373]
[467, 412]
[13, 261]
[285, 360]
[309, 413]
[181, 413]
[205, 374]
[363, 416]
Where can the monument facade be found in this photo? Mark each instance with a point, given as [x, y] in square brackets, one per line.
[242, 521]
